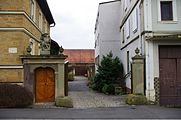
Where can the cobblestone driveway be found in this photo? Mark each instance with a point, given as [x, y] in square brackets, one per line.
[83, 97]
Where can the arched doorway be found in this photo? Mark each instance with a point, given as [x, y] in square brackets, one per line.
[44, 85]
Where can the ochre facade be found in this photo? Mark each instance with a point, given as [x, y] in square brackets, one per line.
[17, 30]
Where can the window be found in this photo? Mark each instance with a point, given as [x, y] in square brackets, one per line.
[32, 10]
[166, 10]
[40, 20]
[135, 19]
[128, 66]
[127, 28]
[123, 37]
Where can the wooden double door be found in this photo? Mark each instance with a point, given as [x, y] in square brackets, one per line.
[170, 75]
[44, 85]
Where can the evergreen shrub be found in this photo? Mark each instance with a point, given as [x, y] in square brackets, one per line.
[108, 89]
[108, 73]
[15, 96]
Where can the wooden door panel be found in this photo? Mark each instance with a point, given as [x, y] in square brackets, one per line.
[50, 84]
[170, 75]
[40, 94]
[167, 81]
[178, 82]
[45, 85]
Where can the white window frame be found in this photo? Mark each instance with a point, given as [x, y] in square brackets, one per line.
[33, 10]
[135, 20]
[174, 7]
[128, 28]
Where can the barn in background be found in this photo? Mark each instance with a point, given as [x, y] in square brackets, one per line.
[81, 61]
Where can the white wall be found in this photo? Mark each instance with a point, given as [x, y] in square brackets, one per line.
[134, 40]
[107, 26]
[164, 26]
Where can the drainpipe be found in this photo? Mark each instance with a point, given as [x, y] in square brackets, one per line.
[53, 25]
[140, 38]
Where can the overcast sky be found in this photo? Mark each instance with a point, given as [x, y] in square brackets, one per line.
[75, 22]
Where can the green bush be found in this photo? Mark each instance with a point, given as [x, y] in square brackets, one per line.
[136, 99]
[119, 90]
[70, 76]
[108, 89]
[15, 96]
[64, 102]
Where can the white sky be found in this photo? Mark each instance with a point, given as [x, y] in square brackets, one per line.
[75, 22]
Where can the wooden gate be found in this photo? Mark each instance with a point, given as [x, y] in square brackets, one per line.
[170, 75]
[45, 85]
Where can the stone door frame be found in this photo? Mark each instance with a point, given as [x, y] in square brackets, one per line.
[31, 63]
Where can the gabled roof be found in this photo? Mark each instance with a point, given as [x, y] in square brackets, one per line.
[46, 11]
[80, 55]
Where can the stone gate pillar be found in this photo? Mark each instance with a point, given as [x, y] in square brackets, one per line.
[138, 73]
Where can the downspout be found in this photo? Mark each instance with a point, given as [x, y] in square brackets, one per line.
[53, 25]
[140, 28]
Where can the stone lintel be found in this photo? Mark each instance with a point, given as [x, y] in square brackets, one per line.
[43, 58]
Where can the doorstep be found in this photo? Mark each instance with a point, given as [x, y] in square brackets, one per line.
[44, 105]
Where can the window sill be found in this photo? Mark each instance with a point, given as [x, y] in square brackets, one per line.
[168, 22]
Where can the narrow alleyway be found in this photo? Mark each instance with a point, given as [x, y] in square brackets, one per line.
[83, 97]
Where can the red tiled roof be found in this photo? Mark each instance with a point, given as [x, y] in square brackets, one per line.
[80, 55]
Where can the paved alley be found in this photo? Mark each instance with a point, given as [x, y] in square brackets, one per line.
[83, 97]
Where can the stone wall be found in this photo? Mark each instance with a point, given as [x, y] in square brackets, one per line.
[11, 75]
[11, 40]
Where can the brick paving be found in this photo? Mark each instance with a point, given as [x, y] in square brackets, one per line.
[83, 97]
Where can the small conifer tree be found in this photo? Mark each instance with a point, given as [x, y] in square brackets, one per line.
[109, 72]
